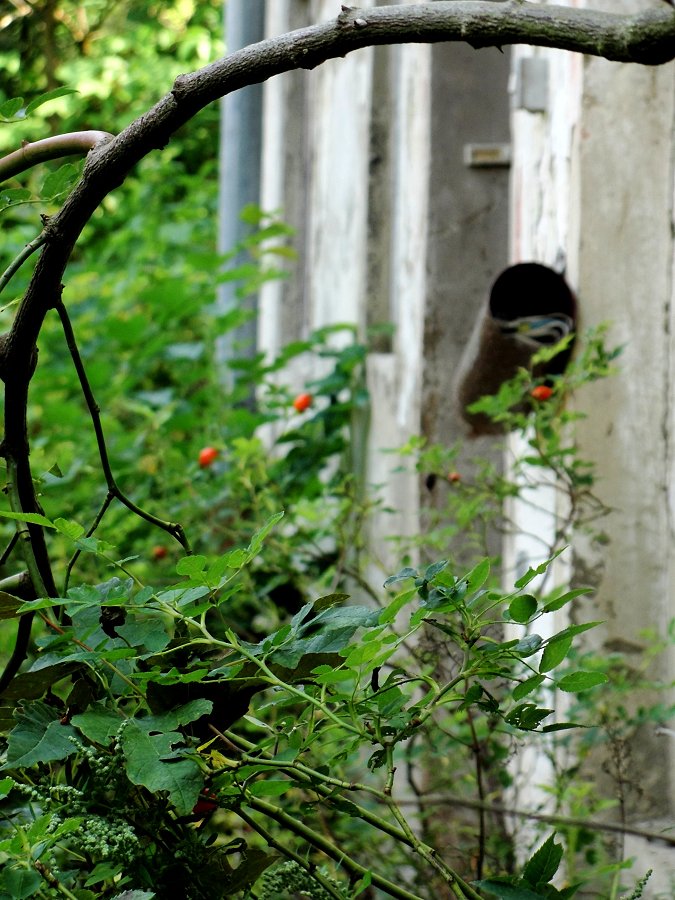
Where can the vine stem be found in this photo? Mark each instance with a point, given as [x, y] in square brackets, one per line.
[173, 528]
[325, 785]
[19, 260]
[269, 838]
[329, 849]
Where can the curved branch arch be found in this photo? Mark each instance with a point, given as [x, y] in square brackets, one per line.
[647, 38]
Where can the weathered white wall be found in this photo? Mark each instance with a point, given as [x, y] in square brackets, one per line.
[591, 192]
[593, 189]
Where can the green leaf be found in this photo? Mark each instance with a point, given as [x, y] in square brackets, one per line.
[543, 864]
[407, 572]
[103, 871]
[60, 181]
[329, 632]
[522, 608]
[390, 611]
[99, 723]
[9, 197]
[192, 566]
[157, 762]
[527, 716]
[269, 788]
[6, 786]
[260, 535]
[9, 606]
[32, 684]
[580, 681]
[477, 576]
[505, 890]
[33, 518]
[10, 108]
[434, 569]
[21, 882]
[532, 573]
[72, 530]
[558, 602]
[38, 737]
[555, 652]
[526, 687]
[45, 98]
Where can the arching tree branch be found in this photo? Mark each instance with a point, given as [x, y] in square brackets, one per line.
[647, 38]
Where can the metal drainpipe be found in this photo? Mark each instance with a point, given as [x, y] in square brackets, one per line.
[239, 164]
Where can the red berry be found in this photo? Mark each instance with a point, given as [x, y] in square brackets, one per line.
[206, 803]
[454, 477]
[541, 392]
[207, 456]
[159, 552]
[302, 402]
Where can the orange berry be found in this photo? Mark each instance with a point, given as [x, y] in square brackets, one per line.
[207, 456]
[541, 392]
[302, 402]
[159, 552]
[454, 477]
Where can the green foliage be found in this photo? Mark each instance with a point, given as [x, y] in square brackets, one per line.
[235, 721]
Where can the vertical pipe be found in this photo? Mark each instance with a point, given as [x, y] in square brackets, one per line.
[239, 162]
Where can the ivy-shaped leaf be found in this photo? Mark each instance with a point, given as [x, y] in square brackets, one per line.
[38, 737]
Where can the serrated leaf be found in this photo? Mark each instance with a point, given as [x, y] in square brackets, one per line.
[527, 716]
[32, 518]
[526, 687]
[157, 762]
[555, 652]
[543, 864]
[580, 681]
[38, 737]
[72, 530]
[192, 566]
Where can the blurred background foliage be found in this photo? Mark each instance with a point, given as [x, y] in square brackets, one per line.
[141, 290]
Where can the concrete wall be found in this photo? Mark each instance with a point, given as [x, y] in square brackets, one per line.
[365, 157]
[592, 190]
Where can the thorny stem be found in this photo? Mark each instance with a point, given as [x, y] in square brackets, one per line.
[173, 528]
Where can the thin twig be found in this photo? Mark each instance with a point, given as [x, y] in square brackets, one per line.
[173, 528]
[19, 260]
[562, 821]
[94, 525]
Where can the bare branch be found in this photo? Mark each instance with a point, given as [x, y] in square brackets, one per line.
[76, 143]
